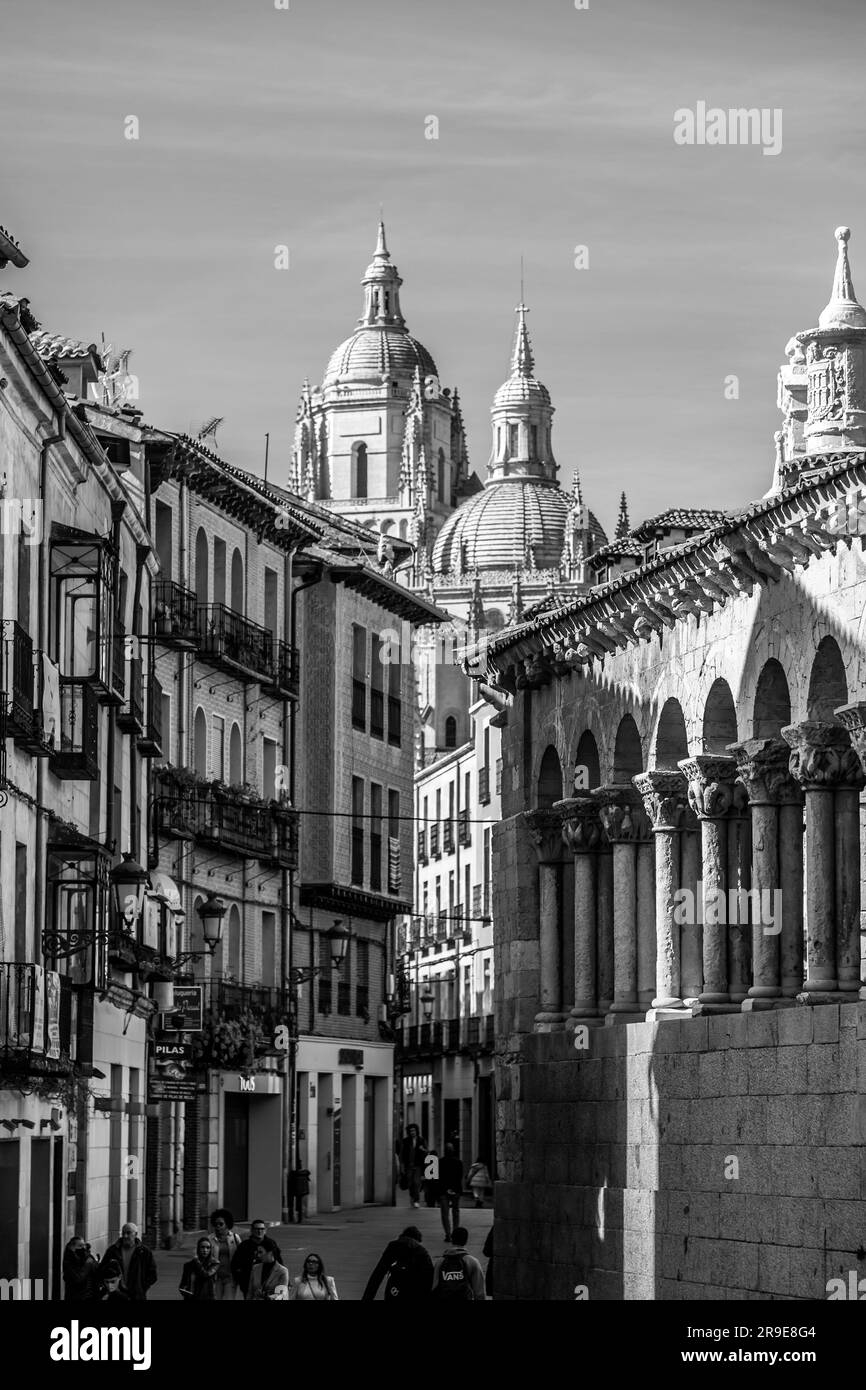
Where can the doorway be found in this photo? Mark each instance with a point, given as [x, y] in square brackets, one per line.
[40, 1209]
[236, 1148]
[369, 1140]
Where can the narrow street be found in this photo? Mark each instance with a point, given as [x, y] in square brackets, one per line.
[349, 1243]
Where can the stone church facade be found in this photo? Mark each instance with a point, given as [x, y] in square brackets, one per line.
[680, 1018]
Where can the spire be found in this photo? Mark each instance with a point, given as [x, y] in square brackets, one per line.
[382, 287]
[522, 362]
[381, 247]
[575, 488]
[623, 525]
[843, 310]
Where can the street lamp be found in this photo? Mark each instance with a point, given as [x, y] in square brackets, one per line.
[427, 1002]
[212, 911]
[338, 937]
[128, 881]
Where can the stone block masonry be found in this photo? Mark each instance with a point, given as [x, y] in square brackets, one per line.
[703, 1158]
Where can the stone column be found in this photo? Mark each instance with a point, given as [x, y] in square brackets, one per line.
[710, 780]
[581, 833]
[762, 765]
[545, 832]
[604, 933]
[646, 918]
[791, 877]
[664, 799]
[739, 882]
[624, 820]
[852, 718]
[824, 763]
[692, 938]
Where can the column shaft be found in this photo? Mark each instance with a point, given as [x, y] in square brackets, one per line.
[847, 829]
[668, 969]
[605, 929]
[549, 939]
[765, 875]
[714, 855]
[791, 883]
[691, 934]
[646, 923]
[624, 929]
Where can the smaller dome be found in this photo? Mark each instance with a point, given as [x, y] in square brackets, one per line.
[518, 391]
[374, 351]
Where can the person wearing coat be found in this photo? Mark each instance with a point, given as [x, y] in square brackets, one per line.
[80, 1272]
[313, 1285]
[137, 1265]
[224, 1242]
[268, 1279]
[199, 1275]
[413, 1152]
[478, 1179]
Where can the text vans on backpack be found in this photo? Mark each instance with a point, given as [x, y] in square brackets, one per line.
[453, 1281]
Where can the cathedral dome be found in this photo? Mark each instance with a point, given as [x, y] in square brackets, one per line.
[372, 352]
[510, 524]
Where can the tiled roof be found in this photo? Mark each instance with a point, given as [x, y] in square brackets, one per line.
[691, 519]
[54, 346]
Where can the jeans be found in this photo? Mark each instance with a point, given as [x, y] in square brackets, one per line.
[449, 1205]
[415, 1176]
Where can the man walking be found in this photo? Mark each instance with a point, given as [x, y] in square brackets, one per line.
[136, 1263]
[450, 1187]
[409, 1269]
[413, 1152]
[457, 1275]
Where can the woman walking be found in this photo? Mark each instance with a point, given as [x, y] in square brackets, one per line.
[224, 1243]
[478, 1179]
[199, 1275]
[313, 1285]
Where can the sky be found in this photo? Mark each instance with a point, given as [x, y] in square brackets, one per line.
[261, 127]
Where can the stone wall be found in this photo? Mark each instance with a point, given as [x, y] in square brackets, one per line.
[708, 1158]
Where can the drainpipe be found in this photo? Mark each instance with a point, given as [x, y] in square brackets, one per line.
[41, 643]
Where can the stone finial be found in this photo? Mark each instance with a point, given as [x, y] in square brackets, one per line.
[763, 769]
[710, 778]
[822, 756]
[664, 792]
[522, 361]
[623, 525]
[843, 309]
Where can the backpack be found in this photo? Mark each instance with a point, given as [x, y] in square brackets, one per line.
[453, 1281]
[400, 1276]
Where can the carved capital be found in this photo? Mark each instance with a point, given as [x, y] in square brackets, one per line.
[545, 832]
[622, 814]
[822, 755]
[853, 718]
[664, 797]
[581, 824]
[711, 778]
[763, 768]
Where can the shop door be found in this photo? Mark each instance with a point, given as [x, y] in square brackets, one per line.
[236, 1155]
[10, 1170]
[40, 1209]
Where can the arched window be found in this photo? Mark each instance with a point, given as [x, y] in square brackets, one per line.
[672, 743]
[237, 581]
[587, 771]
[233, 943]
[627, 755]
[549, 779]
[828, 687]
[720, 718]
[441, 474]
[451, 732]
[772, 702]
[201, 566]
[199, 743]
[236, 762]
[359, 470]
[513, 441]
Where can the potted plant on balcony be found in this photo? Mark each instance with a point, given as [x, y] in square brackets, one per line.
[229, 1043]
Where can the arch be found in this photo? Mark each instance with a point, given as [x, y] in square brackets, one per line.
[232, 951]
[549, 779]
[587, 767]
[772, 701]
[199, 743]
[450, 732]
[359, 469]
[201, 566]
[386, 526]
[720, 718]
[672, 742]
[828, 685]
[237, 601]
[236, 762]
[627, 752]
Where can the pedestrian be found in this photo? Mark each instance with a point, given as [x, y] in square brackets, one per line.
[413, 1152]
[487, 1252]
[110, 1288]
[450, 1188]
[80, 1272]
[431, 1186]
[478, 1179]
[225, 1242]
[409, 1269]
[313, 1285]
[200, 1275]
[457, 1275]
[269, 1279]
[137, 1265]
[245, 1254]
[299, 1188]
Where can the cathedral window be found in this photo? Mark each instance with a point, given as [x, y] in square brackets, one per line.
[535, 441]
[451, 732]
[359, 470]
[513, 441]
[441, 478]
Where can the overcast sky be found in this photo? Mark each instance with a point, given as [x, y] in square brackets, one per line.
[261, 127]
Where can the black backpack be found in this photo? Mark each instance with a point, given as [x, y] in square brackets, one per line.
[400, 1276]
[453, 1281]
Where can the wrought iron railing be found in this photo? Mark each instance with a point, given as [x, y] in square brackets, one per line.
[18, 679]
[77, 757]
[35, 1019]
[231, 641]
[175, 614]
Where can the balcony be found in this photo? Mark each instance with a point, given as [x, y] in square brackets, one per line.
[234, 644]
[175, 616]
[77, 756]
[422, 847]
[256, 830]
[35, 1020]
[464, 830]
[285, 678]
[484, 785]
[128, 954]
[150, 742]
[18, 682]
[448, 836]
[130, 717]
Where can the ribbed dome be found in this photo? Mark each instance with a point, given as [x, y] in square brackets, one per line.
[493, 529]
[517, 390]
[372, 351]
